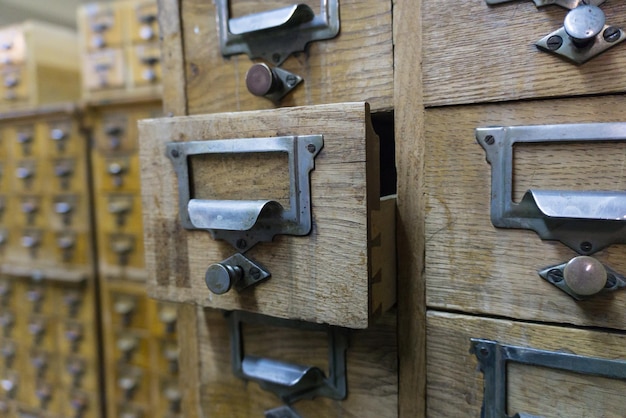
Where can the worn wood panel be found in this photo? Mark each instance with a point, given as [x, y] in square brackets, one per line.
[455, 385]
[355, 66]
[371, 370]
[172, 58]
[410, 146]
[320, 278]
[472, 266]
[477, 53]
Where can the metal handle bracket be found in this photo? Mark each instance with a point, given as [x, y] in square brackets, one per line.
[584, 221]
[276, 34]
[244, 223]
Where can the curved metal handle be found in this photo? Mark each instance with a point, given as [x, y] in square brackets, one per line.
[245, 221]
[291, 382]
[270, 35]
[584, 221]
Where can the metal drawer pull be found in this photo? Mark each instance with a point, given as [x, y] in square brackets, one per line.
[584, 221]
[276, 34]
[244, 223]
[290, 382]
[493, 358]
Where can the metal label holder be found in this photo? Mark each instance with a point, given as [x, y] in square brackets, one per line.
[493, 358]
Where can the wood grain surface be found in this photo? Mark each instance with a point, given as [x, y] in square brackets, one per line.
[355, 66]
[455, 384]
[371, 369]
[478, 53]
[324, 277]
[472, 266]
[410, 146]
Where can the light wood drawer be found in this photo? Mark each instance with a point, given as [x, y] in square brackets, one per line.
[472, 266]
[356, 65]
[145, 63]
[342, 272]
[101, 25]
[104, 69]
[142, 21]
[456, 385]
[473, 52]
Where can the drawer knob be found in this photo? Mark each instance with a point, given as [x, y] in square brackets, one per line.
[72, 299]
[8, 353]
[584, 23]
[220, 277]
[11, 81]
[44, 394]
[127, 345]
[29, 208]
[58, 134]
[79, 403]
[39, 360]
[9, 385]
[272, 83]
[585, 275]
[35, 295]
[74, 335]
[76, 368]
[125, 307]
[37, 328]
[170, 353]
[128, 383]
[168, 315]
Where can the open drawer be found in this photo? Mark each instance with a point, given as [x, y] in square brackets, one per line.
[276, 212]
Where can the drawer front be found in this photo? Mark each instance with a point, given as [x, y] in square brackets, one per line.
[472, 266]
[62, 138]
[456, 385]
[117, 174]
[350, 224]
[356, 65]
[104, 69]
[372, 388]
[12, 45]
[143, 25]
[145, 62]
[15, 89]
[499, 62]
[101, 25]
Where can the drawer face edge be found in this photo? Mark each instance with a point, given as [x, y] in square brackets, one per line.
[455, 384]
[321, 277]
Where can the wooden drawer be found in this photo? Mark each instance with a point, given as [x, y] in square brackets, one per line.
[342, 273]
[12, 45]
[356, 65]
[62, 137]
[472, 266]
[101, 25]
[456, 385]
[104, 69]
[371, 368]
[494, 57]
[16, 90]
[142, 21]
[145, 63]
[117, 174]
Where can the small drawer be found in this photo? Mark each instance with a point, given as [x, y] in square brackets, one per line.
[63, 138]
[168, 355]
[123, 250]
[132, 348]
[39, 298]
[104, 70]
[170, 397]
[101, 25]
[46, 396]
[76, 338]
[42, 364]
[29, 245]
[80, 372]
[132, 384]
[11, 355]
[120, 213]
[12, 46]
[74, 302]
[10, 385]
[79, 403]
[27, 176]
[237, 175]
[143, 23]
[72, 247]
[145, 62]
[7, 323]
[69, 211]
[30, 211]
[114, 133]
[165, 319]
[15, 87]
[128, 310]
[68, 175]
[117, 174]
[25, 142]
[41, 332]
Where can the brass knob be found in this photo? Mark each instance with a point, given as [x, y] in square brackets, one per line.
[585, 275]
[261, 80]
[584, 23]
[219, 277]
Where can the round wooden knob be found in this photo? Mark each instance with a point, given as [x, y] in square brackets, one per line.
[220, 277]
[584, 23]
[585, 275]
[261, 80]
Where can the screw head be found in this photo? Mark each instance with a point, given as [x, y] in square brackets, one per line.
[292, 80]
[311, 148]
[611, 34]
[585, 246]
[490, 140]
[554, 42]
[174, 153]
[241, 243]
[255, 273]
